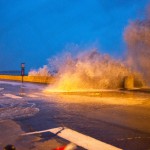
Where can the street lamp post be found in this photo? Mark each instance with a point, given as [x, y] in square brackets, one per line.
[22, 70]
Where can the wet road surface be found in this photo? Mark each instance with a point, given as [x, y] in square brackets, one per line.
[120, 119]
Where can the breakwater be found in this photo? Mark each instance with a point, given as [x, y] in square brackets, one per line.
[128, 82]
[34, 79]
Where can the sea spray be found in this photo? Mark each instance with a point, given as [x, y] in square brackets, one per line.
[91, 70]
[137, 37]
[44, 71]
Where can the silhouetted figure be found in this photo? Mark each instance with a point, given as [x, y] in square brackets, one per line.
[9, 147]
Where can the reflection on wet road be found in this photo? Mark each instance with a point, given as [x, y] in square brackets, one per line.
[120, 119]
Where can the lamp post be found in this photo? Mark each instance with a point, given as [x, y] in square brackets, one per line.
[22, 70]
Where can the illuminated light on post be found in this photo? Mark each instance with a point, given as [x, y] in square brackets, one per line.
[22, 65]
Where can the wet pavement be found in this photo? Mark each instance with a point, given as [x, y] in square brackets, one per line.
[120, 119]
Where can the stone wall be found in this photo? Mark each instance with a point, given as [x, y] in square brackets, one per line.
[35, 79]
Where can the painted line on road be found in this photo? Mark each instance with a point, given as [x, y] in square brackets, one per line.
[77, 138]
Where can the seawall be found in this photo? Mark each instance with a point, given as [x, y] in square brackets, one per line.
[33, 79]
[128, 81]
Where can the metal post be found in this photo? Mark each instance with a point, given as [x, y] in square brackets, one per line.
[22, 70]
[22, 79]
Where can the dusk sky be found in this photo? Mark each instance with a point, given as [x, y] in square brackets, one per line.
[32, 31]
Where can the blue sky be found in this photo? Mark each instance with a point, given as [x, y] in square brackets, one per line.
[32, 31]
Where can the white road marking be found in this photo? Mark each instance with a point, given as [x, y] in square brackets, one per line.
[79, 139]
[12, 96]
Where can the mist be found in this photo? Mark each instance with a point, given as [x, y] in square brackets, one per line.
[90, 70]
[137, 38]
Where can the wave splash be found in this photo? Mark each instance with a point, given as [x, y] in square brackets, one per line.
[91, 70]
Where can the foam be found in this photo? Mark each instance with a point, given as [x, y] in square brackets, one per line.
[12, 96]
